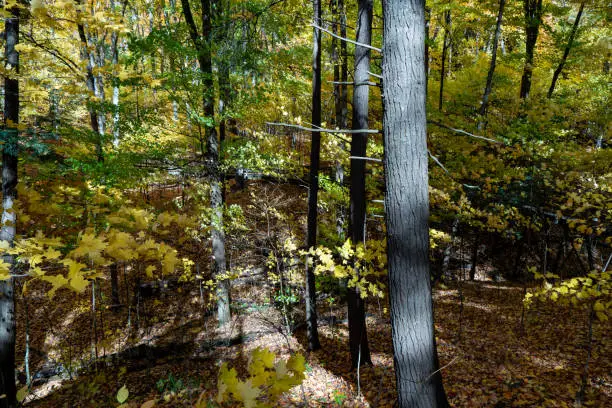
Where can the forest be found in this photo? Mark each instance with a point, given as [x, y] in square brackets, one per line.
[259, 203]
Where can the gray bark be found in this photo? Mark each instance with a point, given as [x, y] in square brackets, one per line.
[313, 189]
[358, 338]
[9, 193]
[419, 383]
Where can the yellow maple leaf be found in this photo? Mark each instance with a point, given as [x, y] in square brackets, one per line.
[247, 393]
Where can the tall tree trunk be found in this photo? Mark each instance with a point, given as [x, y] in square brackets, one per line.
[427, 24]
[342, 121]
[487, 92]
[313, 190]
[358, 337]
[568, 47]
[533, 19]
[9, 219]
[90, 81]
[202, 44]
[419, 383]
[445, 46]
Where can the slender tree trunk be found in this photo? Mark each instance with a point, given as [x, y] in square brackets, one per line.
[474, 258]
[90, 81]
[358, 337]
[419, 383]
[487, 92]
[313, 190]
[445, 46]
[427, 24]
[202, 44]
[568, 47]
[9, 219]
[342, 121]
[533, 19]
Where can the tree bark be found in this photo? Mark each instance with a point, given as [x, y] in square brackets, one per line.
[487, 92]
[202, 44]
[313, 189]
[90, 81]
[419, 383]
[445, 45]
[342, 121]
[9, 193]
[568, 47]
[358, 337]
[533, 20]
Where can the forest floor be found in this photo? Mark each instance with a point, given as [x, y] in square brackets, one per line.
[171, 354]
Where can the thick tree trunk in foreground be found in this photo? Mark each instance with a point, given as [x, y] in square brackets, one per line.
[7, 231]
[419, 384]
[568, 47]
[487, 92]
[313, 190]
[358, 337]
[533, 19]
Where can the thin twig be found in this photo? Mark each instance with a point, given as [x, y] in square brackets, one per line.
[462, 132]
[365, 158]
[435, 159]
[345, 131]
[346, 39]
[375, 75]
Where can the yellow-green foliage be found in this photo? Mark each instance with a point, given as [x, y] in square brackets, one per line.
[266, 382]
[594, 289]
[361, 264]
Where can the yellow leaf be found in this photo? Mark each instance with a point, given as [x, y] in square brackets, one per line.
[149, 404]
[248, 394]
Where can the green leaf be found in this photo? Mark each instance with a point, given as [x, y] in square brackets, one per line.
[22, 393]
[122, 394]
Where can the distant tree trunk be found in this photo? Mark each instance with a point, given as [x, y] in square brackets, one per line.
[90, 81]
[342, 122]
[427, 23]
[474, 258]
[533, 19]
[114, 272]
[568, 47]
[313, 189]
[358, 337]
[419, 383]
[339, 105]
[202, 44]
[445, 272]
[9, 219]
[485, 97]
[445, 45]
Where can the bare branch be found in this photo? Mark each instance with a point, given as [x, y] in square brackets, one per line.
[435, 159]
[352, 83]
[375, 75]
[346, 39]
[365, 158]
[345, 131]
[462, 132]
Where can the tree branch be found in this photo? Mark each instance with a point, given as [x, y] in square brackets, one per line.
[345, 131]
[462, 132]
[346, 39]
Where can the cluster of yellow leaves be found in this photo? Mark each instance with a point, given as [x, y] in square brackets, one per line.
[594, 289]
[361, 264]
[267, 380]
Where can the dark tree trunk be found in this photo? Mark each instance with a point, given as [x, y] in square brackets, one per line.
[358, 337]
[445, 46]
[487, 92]
[568, 47]
[114, 274]
[419, 383]
[313, 189]
[9, 192]
[90, 81]
[203, 46]
[533, 20]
